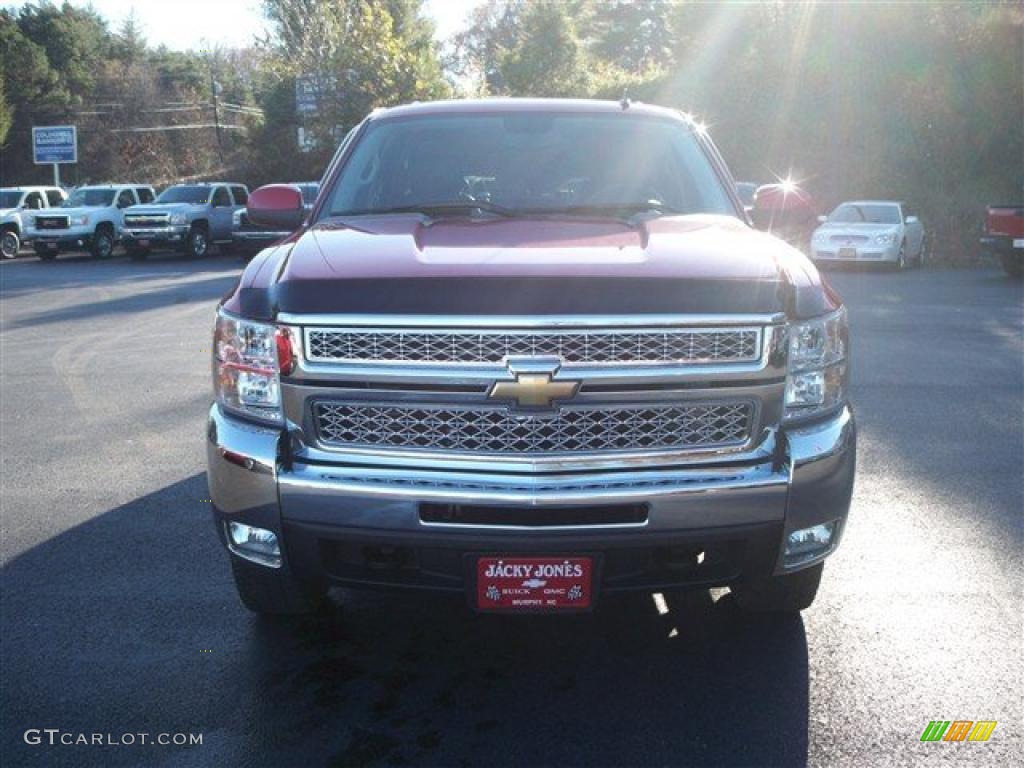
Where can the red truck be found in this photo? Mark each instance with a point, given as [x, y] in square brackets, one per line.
[1003, 236]
[530, 352]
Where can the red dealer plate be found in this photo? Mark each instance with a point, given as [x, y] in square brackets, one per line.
[534, 583]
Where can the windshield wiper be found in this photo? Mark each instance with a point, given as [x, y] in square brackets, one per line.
[619, 210]
[434, 210]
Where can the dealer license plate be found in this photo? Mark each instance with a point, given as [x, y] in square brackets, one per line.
[534, 583]
[847, 253]
[143, 243]
[1018, 243]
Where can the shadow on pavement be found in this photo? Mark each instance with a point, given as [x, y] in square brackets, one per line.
[208, 289]
[129, 623]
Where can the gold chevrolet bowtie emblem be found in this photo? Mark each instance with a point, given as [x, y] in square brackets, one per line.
[533, 390]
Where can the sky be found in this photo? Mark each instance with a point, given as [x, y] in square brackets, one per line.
[183, 24]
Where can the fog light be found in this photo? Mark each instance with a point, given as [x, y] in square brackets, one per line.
[256, 544]
[808, 543]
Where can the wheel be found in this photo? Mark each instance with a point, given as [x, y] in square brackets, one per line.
[45, 252]
[102, 242]
[922, 253]
[10, 243]
[197, 243]
[137, 252]
[274, 591]
[901, 259]
[1014, 265]
[780, 594]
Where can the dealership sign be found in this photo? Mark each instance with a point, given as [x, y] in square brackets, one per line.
[54, 144]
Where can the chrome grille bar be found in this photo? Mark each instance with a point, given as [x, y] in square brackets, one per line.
[500, 430]
[623, 347]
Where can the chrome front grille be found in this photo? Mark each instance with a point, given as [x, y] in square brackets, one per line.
[499, 430]
[849, 239]
[659, 346]
[146, 219]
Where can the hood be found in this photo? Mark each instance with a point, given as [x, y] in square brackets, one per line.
[407, 264]
[8, 211]
[161, 208]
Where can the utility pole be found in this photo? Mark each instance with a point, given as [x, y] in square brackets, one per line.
[215, 92]
[215, 89]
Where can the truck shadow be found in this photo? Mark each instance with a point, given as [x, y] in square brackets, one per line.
[129, 622]
[409, 680]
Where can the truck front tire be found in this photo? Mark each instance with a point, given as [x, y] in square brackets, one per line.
[274, 591]
[1014, 265]
[790, 593]
[102, 242]
[10, 243]
[197, 242]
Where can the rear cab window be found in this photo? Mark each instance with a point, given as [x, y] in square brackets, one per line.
[145, 194]
[240, 194]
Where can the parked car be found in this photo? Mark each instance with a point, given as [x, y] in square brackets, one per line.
[880, 231]
[16, 204]
[1003, 236]
[785, 210]
[91, 219]
[250, 238]
[189, 217]
[489, 361]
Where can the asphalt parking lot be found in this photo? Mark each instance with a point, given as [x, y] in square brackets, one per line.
[119, 616]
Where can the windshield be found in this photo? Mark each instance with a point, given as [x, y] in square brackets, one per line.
[857, 213]
[89, 198]
[529, 162]
[197, 193]
[9, 198]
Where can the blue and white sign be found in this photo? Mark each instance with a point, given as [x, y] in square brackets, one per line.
[54, 144]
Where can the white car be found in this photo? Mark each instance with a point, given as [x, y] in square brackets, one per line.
[870, 231]
[91, 219]
[16, 204]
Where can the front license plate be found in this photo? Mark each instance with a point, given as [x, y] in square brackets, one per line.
[534, 583]
[143, 243]
[1018, 243]
[847, 253]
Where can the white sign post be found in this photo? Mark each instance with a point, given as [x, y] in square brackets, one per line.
[54, 145]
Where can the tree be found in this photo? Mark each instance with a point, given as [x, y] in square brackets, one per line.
[547, 59]
[363, 54]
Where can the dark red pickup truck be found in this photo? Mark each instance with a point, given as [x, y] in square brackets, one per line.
[1003, 236]
[530, 352]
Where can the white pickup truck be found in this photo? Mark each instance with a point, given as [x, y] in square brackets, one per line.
[91, 219]
[15, 205]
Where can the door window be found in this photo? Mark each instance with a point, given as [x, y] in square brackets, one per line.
[221, 197]
[125, 198]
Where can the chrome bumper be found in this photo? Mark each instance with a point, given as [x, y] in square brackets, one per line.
[806, 479]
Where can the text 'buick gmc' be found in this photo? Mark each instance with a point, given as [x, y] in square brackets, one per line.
[532, 352]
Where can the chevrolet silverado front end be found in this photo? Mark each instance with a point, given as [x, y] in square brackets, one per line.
[544, 361]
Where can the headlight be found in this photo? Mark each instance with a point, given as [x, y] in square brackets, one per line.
[248, 359]
[819, 237]
[887, 238]
[817, 377]
[177, 219]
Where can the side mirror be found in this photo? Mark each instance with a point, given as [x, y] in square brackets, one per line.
[911, 220]
[278, 206]
[822, 219]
